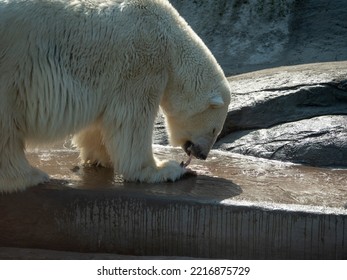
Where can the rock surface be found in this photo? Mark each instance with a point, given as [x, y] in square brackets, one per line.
[319, 141]
[296, 114]
[256, 34]
[269, 97]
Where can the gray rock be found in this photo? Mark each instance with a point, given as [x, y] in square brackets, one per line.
[296, 114]
[241, 34]
[274, 96]
[319, 141]
[160, 136]
[256, 34]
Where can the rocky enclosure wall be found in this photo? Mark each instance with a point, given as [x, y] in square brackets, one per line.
[247, 35]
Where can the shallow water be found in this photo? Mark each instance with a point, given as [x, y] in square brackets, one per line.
[223, 177]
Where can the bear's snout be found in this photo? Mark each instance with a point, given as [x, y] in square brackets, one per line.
[194, 149]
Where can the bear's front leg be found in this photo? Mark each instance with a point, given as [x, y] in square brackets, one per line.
[130, 150]
[161, 171]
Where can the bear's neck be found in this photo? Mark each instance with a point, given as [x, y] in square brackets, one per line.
[193, 74]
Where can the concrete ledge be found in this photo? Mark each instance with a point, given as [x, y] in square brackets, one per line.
[10, 253]
[90, 210]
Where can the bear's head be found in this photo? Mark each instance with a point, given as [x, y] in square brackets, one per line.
[195, 124]
[197, 94]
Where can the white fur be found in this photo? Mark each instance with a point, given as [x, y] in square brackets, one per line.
[100, 69]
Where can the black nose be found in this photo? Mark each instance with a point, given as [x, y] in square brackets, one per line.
[190, 148]
[201, 155]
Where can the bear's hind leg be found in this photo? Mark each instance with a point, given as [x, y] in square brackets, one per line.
[15, 171]
[91, 145]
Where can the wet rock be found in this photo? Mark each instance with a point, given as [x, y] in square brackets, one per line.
[261, 109]
[274, 96]
[296, 114]
[319, 141]
[160, 136]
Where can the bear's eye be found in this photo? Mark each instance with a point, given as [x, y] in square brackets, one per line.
[213, 131]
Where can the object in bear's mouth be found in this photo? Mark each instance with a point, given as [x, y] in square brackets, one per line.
[185, 164]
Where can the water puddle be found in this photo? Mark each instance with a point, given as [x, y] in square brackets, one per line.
[224, 176]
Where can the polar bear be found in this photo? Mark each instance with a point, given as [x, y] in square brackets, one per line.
[100, 70]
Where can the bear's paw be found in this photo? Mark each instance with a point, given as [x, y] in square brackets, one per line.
[19, 182]
[165, 171]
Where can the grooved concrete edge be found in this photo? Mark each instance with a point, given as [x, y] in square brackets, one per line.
[131, 223]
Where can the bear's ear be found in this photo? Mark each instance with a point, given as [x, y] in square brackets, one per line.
[216, 101]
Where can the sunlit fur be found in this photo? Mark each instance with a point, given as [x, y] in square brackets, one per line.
[100, 69]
